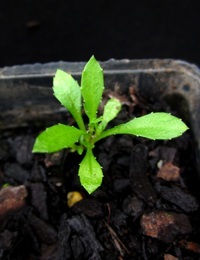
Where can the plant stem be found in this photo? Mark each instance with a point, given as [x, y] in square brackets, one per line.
[104, 135]
[80, 123]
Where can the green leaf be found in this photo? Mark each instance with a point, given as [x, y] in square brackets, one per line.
[111, 109]
[92, 86]
[68, 92]
[159, 125]
[90, 172]
[56, 138]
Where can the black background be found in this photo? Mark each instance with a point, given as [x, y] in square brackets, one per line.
[71, 30]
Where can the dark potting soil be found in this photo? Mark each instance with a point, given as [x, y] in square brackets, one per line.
[146, 208]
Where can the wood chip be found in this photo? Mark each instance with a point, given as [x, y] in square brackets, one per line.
[179, 197]
[140, 183]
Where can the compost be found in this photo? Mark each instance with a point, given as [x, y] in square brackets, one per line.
[146, 208]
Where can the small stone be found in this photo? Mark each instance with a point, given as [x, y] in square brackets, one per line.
[170, 257]
[169, 172]
[165, 226]
[12, 199]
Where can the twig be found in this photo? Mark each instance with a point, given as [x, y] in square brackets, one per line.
[118, 243]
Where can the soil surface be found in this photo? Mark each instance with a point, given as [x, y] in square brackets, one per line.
[146, 208]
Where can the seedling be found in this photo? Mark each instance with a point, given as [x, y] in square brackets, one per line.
[83, 138]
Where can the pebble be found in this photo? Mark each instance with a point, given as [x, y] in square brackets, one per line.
[12, 199]
[169, 172]
[165, 226]
[170, 257]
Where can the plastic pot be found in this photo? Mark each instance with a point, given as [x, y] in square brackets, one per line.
[26, 94]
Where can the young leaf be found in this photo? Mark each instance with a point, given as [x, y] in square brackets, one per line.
[158, 125]
[56, 138]
[90, 172]
[68, 92]
[92, 85]
[111, 109]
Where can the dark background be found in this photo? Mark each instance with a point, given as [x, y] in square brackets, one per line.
[71, 30]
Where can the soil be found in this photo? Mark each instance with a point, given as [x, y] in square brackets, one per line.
[146, 208]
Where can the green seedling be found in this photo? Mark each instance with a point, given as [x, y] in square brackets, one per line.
[83, 138]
